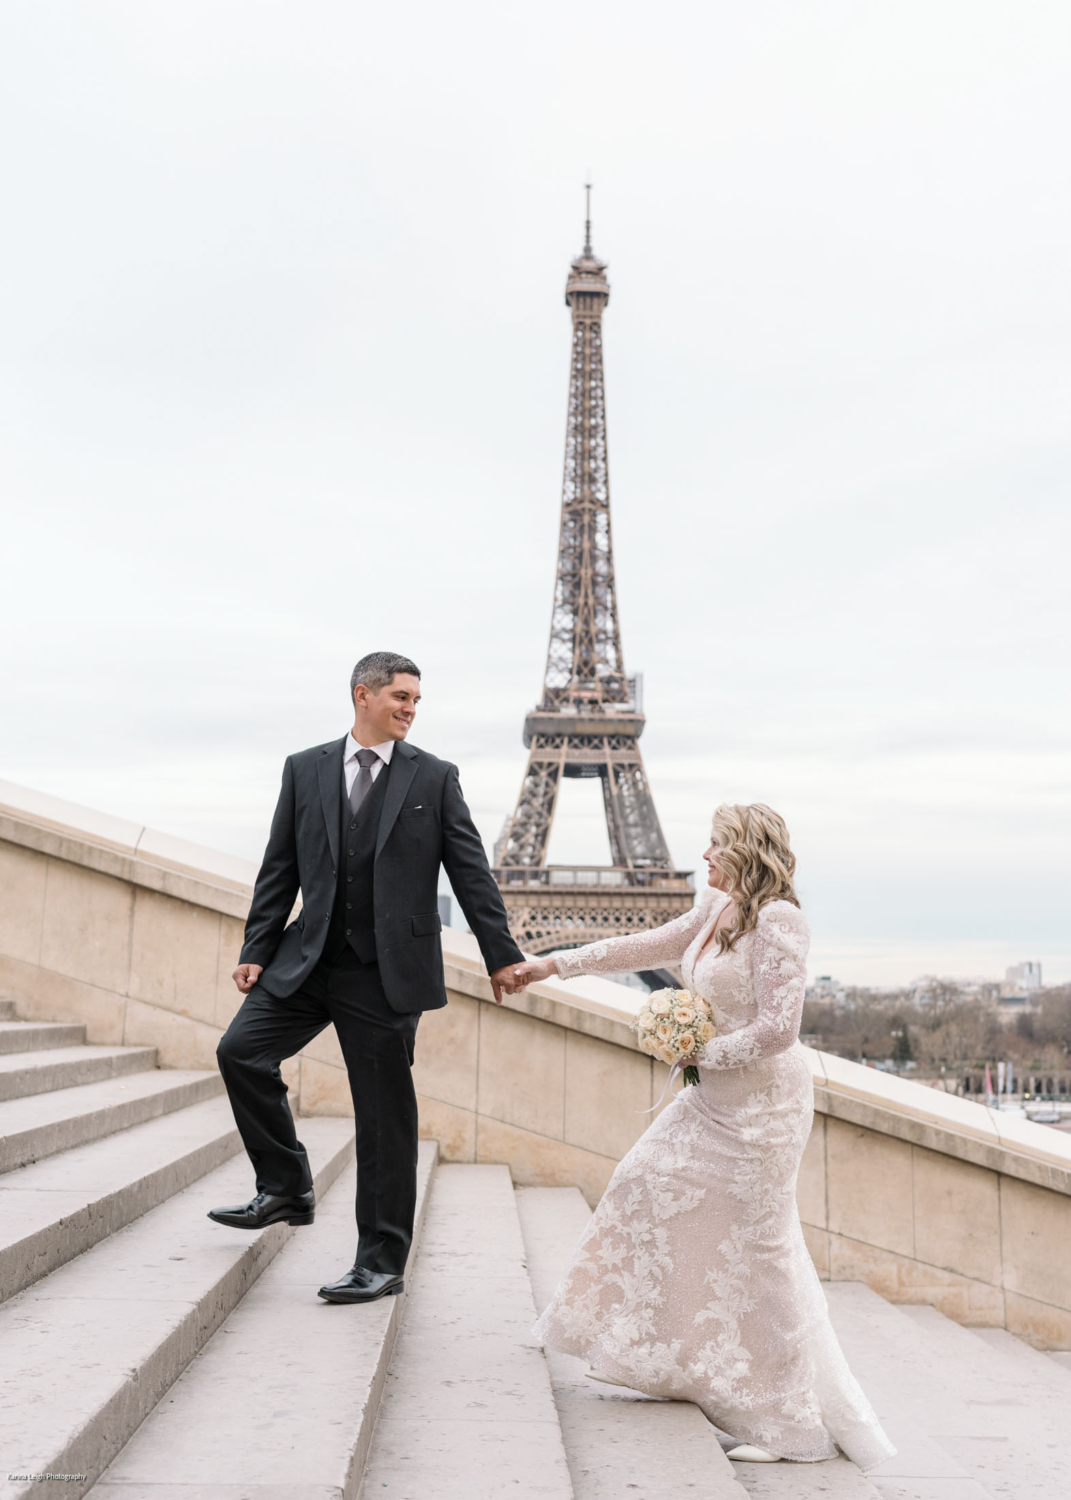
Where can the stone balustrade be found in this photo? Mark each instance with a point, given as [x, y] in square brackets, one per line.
[925, 1196]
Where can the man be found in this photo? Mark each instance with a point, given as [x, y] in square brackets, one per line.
[361, 828]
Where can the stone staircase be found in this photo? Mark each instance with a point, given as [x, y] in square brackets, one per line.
[168, 1358]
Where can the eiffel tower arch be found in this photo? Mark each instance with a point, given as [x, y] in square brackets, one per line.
[590, 718]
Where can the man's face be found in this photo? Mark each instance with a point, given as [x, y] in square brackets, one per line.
[385, 715]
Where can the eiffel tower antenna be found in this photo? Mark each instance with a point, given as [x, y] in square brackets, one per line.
[590, 716]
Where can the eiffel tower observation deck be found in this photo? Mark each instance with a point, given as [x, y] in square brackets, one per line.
[590, 718]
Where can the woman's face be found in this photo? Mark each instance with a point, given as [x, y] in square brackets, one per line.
[716, 876]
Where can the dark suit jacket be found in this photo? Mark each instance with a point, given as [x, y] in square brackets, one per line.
[424, 823]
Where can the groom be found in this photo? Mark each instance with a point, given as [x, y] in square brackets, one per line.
[361, 828]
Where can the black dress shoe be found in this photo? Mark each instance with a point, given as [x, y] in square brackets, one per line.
[266, 1209]
[360, 1285]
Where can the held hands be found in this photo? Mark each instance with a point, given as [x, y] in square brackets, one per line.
[511, 979]
[245, 976]
[532, 970]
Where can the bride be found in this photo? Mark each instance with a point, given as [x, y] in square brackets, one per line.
[692, 1280]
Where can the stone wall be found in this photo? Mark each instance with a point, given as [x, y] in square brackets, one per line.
[932, 1198]
[924, 1196]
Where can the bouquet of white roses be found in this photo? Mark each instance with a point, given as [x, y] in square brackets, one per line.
[673, 1025]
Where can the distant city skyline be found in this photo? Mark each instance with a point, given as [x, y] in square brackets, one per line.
[1022, 979]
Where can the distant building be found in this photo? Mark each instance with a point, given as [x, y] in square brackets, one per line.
[1011, 1007]
[1022, 979]
[1020, 994]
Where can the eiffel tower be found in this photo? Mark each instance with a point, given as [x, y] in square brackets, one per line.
[591, 715]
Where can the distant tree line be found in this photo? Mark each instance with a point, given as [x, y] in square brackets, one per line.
[941, 1027]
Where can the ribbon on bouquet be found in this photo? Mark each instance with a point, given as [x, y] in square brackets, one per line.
[678, 1067]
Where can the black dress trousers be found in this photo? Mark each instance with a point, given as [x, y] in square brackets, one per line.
[377, 1045]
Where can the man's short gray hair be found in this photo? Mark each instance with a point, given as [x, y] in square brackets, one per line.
[378, 668]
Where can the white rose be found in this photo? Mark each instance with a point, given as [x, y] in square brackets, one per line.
[685, 1043]
[668, 1056]
[646, 1021]
[661, 1005]
[684, 1015]
[705, 1032]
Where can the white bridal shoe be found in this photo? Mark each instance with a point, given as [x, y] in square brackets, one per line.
[747, 1453]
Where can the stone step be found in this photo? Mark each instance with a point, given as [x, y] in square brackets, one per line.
[43, 1124]
[58, 1208]
[314, 1371]
[954, 1412]
[34, 1036]
[832, 1479]
[468, 1412]
[86, 1354]
[1034, 1364]
[24, 1073]
[617, 1442]
[1022, 1382]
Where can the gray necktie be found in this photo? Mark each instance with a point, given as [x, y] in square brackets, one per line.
[362, 782]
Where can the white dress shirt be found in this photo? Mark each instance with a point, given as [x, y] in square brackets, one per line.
[351, 765]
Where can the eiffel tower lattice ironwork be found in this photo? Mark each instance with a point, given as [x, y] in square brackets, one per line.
[590, 718]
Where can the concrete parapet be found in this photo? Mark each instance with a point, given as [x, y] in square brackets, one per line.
[926, 1197]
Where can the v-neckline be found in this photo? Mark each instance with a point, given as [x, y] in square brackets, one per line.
[707, 930]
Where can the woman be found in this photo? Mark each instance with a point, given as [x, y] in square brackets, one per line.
[692, 1280]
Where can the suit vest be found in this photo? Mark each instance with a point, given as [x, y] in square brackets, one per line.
[353, 917]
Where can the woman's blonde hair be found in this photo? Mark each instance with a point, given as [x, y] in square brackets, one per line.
[752, 847]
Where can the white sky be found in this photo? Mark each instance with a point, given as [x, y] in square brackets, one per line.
[283, 353]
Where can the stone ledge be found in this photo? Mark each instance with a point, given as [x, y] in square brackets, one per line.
[232, 898]
[86, 824]
[545, 1002]
[592, 1006]
[940, 1122]
[1029, 1166]
[845, 1090]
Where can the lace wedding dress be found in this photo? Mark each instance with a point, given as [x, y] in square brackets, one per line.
[693, 1280]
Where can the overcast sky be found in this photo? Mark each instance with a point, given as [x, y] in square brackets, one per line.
[283, 353]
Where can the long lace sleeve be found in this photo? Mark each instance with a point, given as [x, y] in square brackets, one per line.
[638, 950]
[780, 973]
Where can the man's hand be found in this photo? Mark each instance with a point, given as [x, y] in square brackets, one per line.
[511, 979]
[503, 982]
[245, 976]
